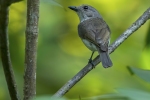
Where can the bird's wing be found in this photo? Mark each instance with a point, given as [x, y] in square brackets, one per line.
[96, 31]
[102, 38]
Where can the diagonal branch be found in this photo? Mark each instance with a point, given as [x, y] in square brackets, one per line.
[31, 49]
[135, 26]
[4, 50]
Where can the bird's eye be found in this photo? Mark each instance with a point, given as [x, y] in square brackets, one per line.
[85, 7]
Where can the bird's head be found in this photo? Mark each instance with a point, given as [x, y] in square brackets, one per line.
[85, 12]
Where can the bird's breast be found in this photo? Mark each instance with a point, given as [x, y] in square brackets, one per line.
[89, 45]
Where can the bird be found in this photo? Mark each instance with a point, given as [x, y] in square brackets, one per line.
[94, 32]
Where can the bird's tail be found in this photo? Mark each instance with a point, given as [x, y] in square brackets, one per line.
[106, 61]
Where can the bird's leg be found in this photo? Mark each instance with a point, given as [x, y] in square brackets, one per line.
[90, 60]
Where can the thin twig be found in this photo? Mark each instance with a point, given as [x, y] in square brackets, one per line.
[4, 48]
[135, 26]
[31, 49]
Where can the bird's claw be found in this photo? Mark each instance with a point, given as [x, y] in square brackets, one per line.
[91, 62]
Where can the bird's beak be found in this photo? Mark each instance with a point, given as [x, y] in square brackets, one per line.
[73, 8]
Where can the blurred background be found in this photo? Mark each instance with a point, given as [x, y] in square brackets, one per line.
[61, 53]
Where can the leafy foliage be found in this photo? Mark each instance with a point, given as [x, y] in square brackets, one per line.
[143, 74]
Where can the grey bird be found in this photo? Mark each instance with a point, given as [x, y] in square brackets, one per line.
[94, 32]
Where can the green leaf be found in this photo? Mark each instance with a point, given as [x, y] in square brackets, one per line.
[105, 97]
[143, 74]
[134, 94]
[52, 2]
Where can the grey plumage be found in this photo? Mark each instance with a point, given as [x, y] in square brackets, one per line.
[94, 32]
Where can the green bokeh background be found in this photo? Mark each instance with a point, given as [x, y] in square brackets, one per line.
[61, 53]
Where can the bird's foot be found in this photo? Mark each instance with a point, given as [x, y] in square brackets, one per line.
[91, 62]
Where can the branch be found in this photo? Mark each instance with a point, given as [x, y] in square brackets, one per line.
[31, 49]
[4, 50]
[135, 26]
